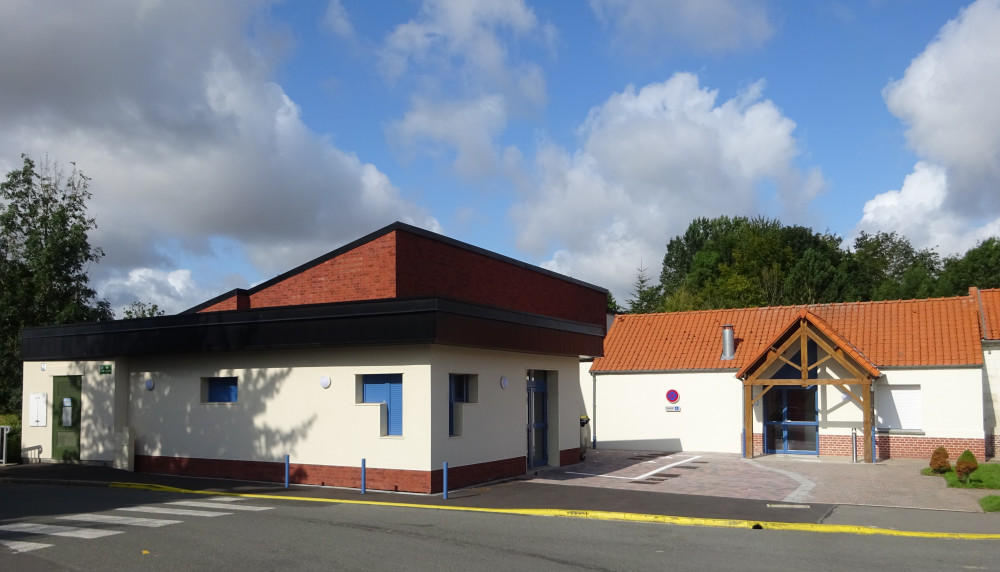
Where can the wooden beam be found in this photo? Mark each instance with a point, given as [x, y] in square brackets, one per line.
[866, 394]
[854, 397]
[804, 349]
[761, 394]
[748, 421]
[820, 361]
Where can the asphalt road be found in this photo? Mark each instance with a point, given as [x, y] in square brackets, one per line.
[302, 535]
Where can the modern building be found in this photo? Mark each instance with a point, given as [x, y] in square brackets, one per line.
[404, 348]
[913, 374]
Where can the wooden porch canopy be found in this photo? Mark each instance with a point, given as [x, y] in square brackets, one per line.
[804, 328]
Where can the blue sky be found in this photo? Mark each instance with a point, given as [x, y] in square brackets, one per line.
[229, 141]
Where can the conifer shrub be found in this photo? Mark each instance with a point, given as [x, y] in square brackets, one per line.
[939, 461]
[965, 465]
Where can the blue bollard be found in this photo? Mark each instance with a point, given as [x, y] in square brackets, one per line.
[362, 476]
[446, 480]
[286, 471]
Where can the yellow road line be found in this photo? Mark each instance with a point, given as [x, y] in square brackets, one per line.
[603, 515]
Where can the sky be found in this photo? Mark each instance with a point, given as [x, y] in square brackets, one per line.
[229, 141]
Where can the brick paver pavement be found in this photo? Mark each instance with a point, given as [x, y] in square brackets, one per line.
[791, 479]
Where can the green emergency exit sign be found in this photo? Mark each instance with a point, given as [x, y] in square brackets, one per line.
[105, 368]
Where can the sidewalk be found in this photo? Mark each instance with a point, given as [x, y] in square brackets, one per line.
[558, 489]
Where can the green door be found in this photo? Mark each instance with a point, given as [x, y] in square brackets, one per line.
[66, 417]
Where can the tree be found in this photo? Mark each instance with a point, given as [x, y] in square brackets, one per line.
[646, 297]
[142, 310]
[45, 252]
[613, 307]
[980, 267]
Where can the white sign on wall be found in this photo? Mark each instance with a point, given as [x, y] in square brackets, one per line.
[37, 409]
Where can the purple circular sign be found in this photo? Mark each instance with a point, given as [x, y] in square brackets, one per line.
[673, 396]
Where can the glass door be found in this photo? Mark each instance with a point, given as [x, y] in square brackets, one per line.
[791, 420]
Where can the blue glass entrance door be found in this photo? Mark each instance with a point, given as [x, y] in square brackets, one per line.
[538, 425]
[791, 420]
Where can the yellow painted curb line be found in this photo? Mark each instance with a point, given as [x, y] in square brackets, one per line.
[602, 515]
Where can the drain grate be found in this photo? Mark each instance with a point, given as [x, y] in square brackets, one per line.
[686, 467]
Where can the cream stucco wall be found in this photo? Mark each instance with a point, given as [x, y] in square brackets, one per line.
[100, 411]
[951, 399]
[282, 408]
[631, 412]
[494, 427]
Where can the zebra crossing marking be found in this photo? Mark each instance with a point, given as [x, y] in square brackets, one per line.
[205, 504]
[168, 510]
[18, 546]
[124, 520]
[56, 530]
[220, 504]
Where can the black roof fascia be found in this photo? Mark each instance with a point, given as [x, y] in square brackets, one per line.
[379, 233]
[323, 325]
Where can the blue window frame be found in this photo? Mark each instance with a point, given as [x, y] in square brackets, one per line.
[221, 390]
[386, 388]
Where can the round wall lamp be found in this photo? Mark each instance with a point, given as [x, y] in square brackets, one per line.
[503, 382]
[324, 382]
[150, 384]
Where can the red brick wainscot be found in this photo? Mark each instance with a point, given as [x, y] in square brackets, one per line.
[893, 446]
[335, 476]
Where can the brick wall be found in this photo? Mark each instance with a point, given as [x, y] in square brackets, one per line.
[895, 446]
[905, 447]
[367, 272]
[428, 268]
[405, 265]
[569, 456]
[335, 476]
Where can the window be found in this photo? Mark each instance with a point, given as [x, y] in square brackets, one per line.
[386, 388]
[219, 389]
[462, 389]
[899, 407]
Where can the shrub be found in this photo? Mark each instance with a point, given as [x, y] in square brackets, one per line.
[965, 465]
[939, 461]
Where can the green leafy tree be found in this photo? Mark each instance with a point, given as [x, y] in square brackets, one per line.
[45, 252]
[980, 267]
[142, 310]
[885, 266]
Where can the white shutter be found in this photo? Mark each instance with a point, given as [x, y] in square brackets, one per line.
[899, 407]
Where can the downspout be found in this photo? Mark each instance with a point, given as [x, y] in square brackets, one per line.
[593, 422]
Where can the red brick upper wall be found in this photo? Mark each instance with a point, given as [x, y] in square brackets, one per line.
[430, 268]
[402, 264]
[367, 272]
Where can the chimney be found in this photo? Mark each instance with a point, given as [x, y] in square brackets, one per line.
[728, 342]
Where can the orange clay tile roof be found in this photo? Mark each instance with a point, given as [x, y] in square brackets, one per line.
[989, 300]
[899, 333]
[818, 323]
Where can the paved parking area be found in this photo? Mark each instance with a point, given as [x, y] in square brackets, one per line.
[790, 479]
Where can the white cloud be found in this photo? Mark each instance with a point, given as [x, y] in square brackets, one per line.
[170, 108]
[948, 101]
[653, 27]
[468, 127]
[171, 291]
[651, 161]
[917, 212]
[456, 54]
